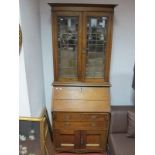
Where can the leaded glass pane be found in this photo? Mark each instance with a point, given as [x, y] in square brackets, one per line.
[67, 46]
[96, 45]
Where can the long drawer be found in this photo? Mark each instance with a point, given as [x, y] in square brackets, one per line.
[81, 93]
[66, 116]
[81, 125]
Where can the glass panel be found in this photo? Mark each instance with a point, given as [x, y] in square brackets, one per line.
[29, 138]
[96, 45]
[67, 46]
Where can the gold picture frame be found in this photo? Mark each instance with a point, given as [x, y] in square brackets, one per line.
[43, 134]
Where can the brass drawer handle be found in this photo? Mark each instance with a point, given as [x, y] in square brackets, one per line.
[66, 117]
[67, 144]
[93, 116]
[106, 118]
[58, 88]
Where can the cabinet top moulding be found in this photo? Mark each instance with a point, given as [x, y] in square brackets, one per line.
[82, 7]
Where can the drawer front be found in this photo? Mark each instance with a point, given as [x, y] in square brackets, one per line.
[66, 140]
[65, 116]
[84, 93]
[81, 125]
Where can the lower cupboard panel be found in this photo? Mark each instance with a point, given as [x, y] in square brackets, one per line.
[96, 140]
[80, 141]
[66, 140]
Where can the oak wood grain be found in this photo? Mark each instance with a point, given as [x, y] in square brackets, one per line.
[81, 106]
[76, 116]
[81, 126]
[81, 93]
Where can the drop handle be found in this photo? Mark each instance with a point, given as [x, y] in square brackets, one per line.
[93, 116]
[67, 117]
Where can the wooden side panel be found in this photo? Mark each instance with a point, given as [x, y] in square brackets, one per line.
[49, 150]
[56, 138]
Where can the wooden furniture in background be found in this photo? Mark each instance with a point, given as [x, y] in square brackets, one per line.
[82, 40]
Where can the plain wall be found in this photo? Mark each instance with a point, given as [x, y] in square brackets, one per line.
[46, 35]
[24, 106]
[30, 23]
[122, 59]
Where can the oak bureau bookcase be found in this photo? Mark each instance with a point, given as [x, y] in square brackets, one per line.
[82, 40]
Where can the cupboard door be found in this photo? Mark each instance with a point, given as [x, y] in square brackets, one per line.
[96, 140]
[66, 140]
[66, 45]
[96, 46]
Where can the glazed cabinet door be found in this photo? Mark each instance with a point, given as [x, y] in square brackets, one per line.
[67, 45]
[97, 29]
[82, 46]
